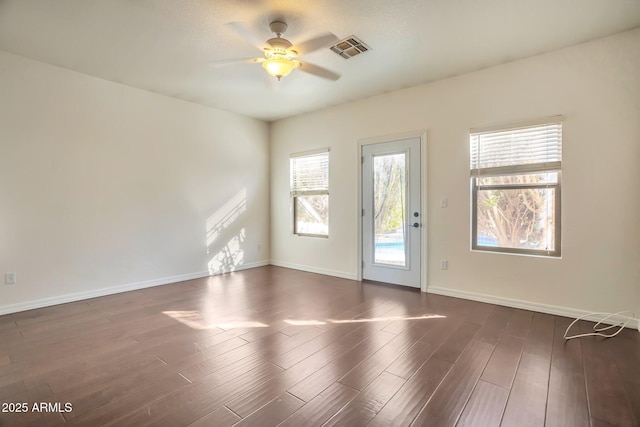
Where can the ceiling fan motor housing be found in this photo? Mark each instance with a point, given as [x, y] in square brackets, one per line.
[279, 43]
[278, 27]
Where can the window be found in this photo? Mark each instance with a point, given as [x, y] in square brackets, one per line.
[309, 186]
[515, 182]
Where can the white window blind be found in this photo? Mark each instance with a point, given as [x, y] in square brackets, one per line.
[309, 174]
[523, 149]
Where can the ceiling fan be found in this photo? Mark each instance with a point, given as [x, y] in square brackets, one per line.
[281, 56]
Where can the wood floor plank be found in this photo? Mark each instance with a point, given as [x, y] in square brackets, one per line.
[115, 410]
[263, 393]
[495, 325]
[632, 390]
[502, 366]
[50, 361]
[398, 326]
[37, 394]
[50, 314]
[160, 335]
[82, 340]
[453, 346]
[413, 395]
[315, 383]
[7, 322]
[599, 423]
[197, 400]
[90, 398]
[528, 398]
[480, 313]
[32, 418]
[4, 360]
[626, 343]
[499, 317]
[12, 388]
[273, 413]
[68, 325]
[448, 401]
[9, 337]
[368, 402]
[322, 342]
[232, 368]
[626, 348]
[190, 353]
[322, 407]
[605, 389]
[369, 369]
[341, 322]
[409, 362]
[251, 351]
[539, 342]
[182, 354]
[221, 417]
[485, 406]
[526, 405]
[567, 399]
[63, 351]
[100, 374]
[519, 324]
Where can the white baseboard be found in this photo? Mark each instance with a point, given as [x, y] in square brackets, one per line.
[309, 269]
[491, 299]
[227, 269]
[525, 305]
[78, 296]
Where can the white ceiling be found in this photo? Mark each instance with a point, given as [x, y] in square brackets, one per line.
[168, 46]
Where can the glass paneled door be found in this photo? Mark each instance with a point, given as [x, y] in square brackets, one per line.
[392, 220]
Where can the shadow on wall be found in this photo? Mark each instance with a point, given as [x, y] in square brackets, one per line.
[224, 240]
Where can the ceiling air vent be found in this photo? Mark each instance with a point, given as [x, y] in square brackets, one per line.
[349, 47]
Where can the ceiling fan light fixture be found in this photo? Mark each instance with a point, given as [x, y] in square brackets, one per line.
[279, 66]
[280, 56]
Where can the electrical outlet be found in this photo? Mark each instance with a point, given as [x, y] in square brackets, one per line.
[444, 264]
[259, 247]
[444, 202]
[10, 278]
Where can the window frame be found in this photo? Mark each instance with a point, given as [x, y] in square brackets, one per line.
[295, 193]
[519, 169]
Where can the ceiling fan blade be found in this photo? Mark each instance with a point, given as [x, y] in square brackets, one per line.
[225, 62]
[316, 43]
[249, 36]
[318, 71]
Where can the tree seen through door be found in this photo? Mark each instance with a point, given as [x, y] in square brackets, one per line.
[389, 197]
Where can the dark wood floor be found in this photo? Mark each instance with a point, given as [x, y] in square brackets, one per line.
[271, 346]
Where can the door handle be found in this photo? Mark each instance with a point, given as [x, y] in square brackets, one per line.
[415, 225]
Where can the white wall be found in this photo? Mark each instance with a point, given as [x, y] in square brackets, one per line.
[596, 86]
[104, 187]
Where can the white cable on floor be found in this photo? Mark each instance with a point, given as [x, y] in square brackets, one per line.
[598, 330]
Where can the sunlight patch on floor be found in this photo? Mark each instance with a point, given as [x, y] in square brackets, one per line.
[373, 319]
[387, 319]
[195, 320]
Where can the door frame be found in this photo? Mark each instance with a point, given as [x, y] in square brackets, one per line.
[422, 135]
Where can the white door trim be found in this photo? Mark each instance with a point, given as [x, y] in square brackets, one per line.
[422, 134]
